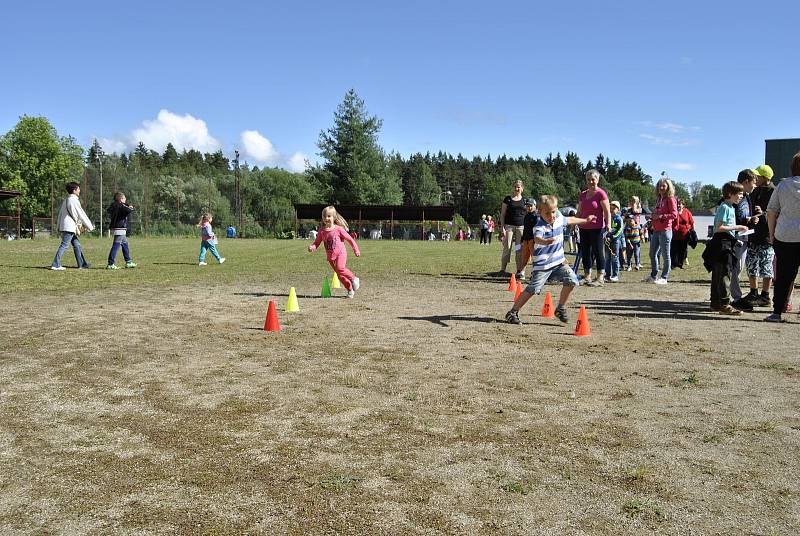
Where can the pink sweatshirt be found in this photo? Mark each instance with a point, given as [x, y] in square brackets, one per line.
[333, 242]
[665, 213]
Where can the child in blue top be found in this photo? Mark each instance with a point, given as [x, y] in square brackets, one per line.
[720, 253]
[614, 239]
[548, 257]
[209, 240]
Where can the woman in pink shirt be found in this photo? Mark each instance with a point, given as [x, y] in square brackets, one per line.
[593, 201]
[334, 231]
[665, 213]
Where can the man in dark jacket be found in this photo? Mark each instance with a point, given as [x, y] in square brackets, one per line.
[118, 213]
[759, 251]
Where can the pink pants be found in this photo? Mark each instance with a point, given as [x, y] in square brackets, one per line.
[345, 275]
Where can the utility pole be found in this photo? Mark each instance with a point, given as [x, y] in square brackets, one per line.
[238, 174]
[99, 157]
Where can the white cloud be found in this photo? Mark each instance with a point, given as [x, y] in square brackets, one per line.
[680, 166]
[111, 146]
[297, 162]
[259, 148]
[675, 142]
[673, 128]
[182, 131]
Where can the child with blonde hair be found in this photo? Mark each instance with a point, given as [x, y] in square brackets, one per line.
[333, 232]
[209, 240]
[548, 257]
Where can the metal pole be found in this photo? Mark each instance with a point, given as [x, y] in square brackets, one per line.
[238, 192]
[100, 160]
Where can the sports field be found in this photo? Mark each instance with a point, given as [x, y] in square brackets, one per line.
[150, 401]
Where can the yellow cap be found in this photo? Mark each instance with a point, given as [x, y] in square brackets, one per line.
[765, 171]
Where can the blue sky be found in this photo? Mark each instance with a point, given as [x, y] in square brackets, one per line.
[692, 88]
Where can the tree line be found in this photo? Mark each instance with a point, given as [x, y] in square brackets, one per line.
[171, 188]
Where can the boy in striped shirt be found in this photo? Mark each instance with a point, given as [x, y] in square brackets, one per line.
[548, 257]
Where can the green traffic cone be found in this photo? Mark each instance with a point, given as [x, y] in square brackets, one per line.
[326, 288]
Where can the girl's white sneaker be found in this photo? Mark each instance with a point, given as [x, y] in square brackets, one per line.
[351, 293]
[356, 283]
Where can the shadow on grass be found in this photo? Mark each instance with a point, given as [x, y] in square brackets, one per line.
[29, 267]
[177, 263]
[439, 320]
[639, 308]
[285, 295]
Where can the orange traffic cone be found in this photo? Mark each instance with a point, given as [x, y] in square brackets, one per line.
[547, 308]
[582, 328]
[518, 291]
[512, 283]
[271, 323]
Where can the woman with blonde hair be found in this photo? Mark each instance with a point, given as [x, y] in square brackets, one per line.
[661, 238]
[593, 201]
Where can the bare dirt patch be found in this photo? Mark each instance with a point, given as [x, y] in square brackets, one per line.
[410, 409]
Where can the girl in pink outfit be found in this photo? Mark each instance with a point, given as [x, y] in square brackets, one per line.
[334, 231]
[661, 238]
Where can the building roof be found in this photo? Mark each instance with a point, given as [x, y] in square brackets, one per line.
[9, 194]
[379, 212]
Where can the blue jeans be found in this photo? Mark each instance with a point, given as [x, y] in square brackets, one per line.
[66, 239]
[659, 244]
[612, 261]
[634, 253]
[119, 241]
[206, 245]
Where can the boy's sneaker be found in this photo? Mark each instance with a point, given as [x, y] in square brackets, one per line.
[520, 276]
[202, 263]
[222, 260]
[130, 264]
[614, 279]
[742, 305]
[636, 268]
[774, 318]
[112, 267]
[351, 293]
[512, 317]
[57, 268]
[729, 311]
[649, 279]
[762, 301]
[660, 281]
[356, 283]
[561, 313]
[629, 268]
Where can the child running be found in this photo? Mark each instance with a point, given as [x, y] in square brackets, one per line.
[118, 213]
[333, 231]
[548, 257]
[209, 240]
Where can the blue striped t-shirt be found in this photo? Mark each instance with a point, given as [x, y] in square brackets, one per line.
[548, 257]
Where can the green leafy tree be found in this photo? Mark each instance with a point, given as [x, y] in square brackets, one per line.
[355, 170]
[423, 189]
[34, 159]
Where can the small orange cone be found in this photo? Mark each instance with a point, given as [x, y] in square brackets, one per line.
[582, 328]
[512, 283]
[547, 308]
[271, 323]
[518, 291]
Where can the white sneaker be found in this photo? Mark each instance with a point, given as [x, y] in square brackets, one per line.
[57, 268]
[351, 293]
[660, 281]
[649, 279]
[202, 263]
[629, 268]
[356, 283]
[614, 279]
[222, 260]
